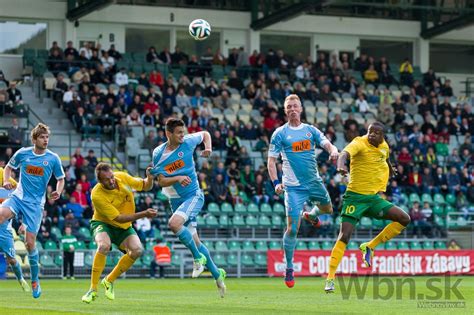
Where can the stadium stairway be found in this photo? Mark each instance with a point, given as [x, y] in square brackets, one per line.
[64, 139]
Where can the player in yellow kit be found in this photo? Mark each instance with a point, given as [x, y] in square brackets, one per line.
[370, 169]
[114, 212]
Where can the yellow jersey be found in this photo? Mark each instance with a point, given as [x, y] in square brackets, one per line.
[369, 170]
[3, 192]
[109, 204]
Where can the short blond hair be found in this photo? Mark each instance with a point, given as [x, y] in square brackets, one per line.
[292, 97]
[39, 130]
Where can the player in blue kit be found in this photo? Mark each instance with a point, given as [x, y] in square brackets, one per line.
[37, 164]
[174, 165]
[296, 143]
[7, 245]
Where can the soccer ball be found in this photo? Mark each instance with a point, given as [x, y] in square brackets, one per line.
[199, 29]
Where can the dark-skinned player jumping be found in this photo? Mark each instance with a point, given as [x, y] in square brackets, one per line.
[370, 169]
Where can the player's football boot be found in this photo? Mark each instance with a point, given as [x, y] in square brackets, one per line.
[24, 285]
[198, 266]
[35, 289]
[220, 282]
[329, 288]
[367, 254]
[312, 218]
[90, 296]
[109, 289]
[289, 278]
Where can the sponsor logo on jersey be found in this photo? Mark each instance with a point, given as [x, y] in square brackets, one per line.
[34, 170]
[301, 146]
[173, 167]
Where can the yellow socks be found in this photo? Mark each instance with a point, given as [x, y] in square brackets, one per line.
[123, 265]
[336, 256]
[97, 268]
[389, 232]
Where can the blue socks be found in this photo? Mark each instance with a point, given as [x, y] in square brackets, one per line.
[33, 257]
[187, 239]
[17, 270]
[210, 264]
[289, 244]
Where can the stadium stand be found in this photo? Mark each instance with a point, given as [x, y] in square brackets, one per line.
[126, 98]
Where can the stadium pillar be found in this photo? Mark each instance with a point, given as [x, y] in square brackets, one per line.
[422, 54]
[70, 34]
[173, 39]
[253, 41]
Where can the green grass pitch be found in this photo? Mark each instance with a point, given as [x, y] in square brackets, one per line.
[199, 296]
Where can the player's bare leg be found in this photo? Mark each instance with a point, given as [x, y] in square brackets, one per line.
[176, 224]
[400, 220]
[312, 216]
[103, 247]
[218, 274]
[337, 253]
[289, 244]
[134, 250]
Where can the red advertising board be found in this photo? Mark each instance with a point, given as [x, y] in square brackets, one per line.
[385, 262]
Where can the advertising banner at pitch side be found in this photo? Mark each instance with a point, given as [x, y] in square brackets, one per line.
[385, 262]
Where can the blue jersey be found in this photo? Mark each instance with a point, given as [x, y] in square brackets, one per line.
[179, 162]
[35, 172]
[297, 147]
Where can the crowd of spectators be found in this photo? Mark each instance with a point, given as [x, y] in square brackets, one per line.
[422, 122]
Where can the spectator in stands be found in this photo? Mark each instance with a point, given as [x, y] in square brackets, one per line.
[162, 258]
[70, 220]
[370, 75]
[86, 50]
[361, 104]
[406, 72]
[219, 190]
[453, 245]
[453, 180]
[144, 229]
[421, 226]
[91, 158]
[260, 195]
[446, 89]
[55, 48]
[14, 95]
[45, 229]
[15, 134]
[121, 78]
[165, 56]
[440, 181]
[59, 88]
[178, 57]
[68, 245]
[114, 53]
[429, 78]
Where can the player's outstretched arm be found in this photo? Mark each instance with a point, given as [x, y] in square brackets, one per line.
[124, 218]
[169, 181]
[332, 150]
[206, 136]
[59, 189]
[341, 163]
[148, 181]
[272, 172]
[7, 173]
[392, 169]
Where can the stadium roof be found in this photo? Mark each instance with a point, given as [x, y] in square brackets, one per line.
[436, 17]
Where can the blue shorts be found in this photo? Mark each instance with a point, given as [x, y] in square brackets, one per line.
[7, 245]
[32, 214]
[188, 208]
[295, 197]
